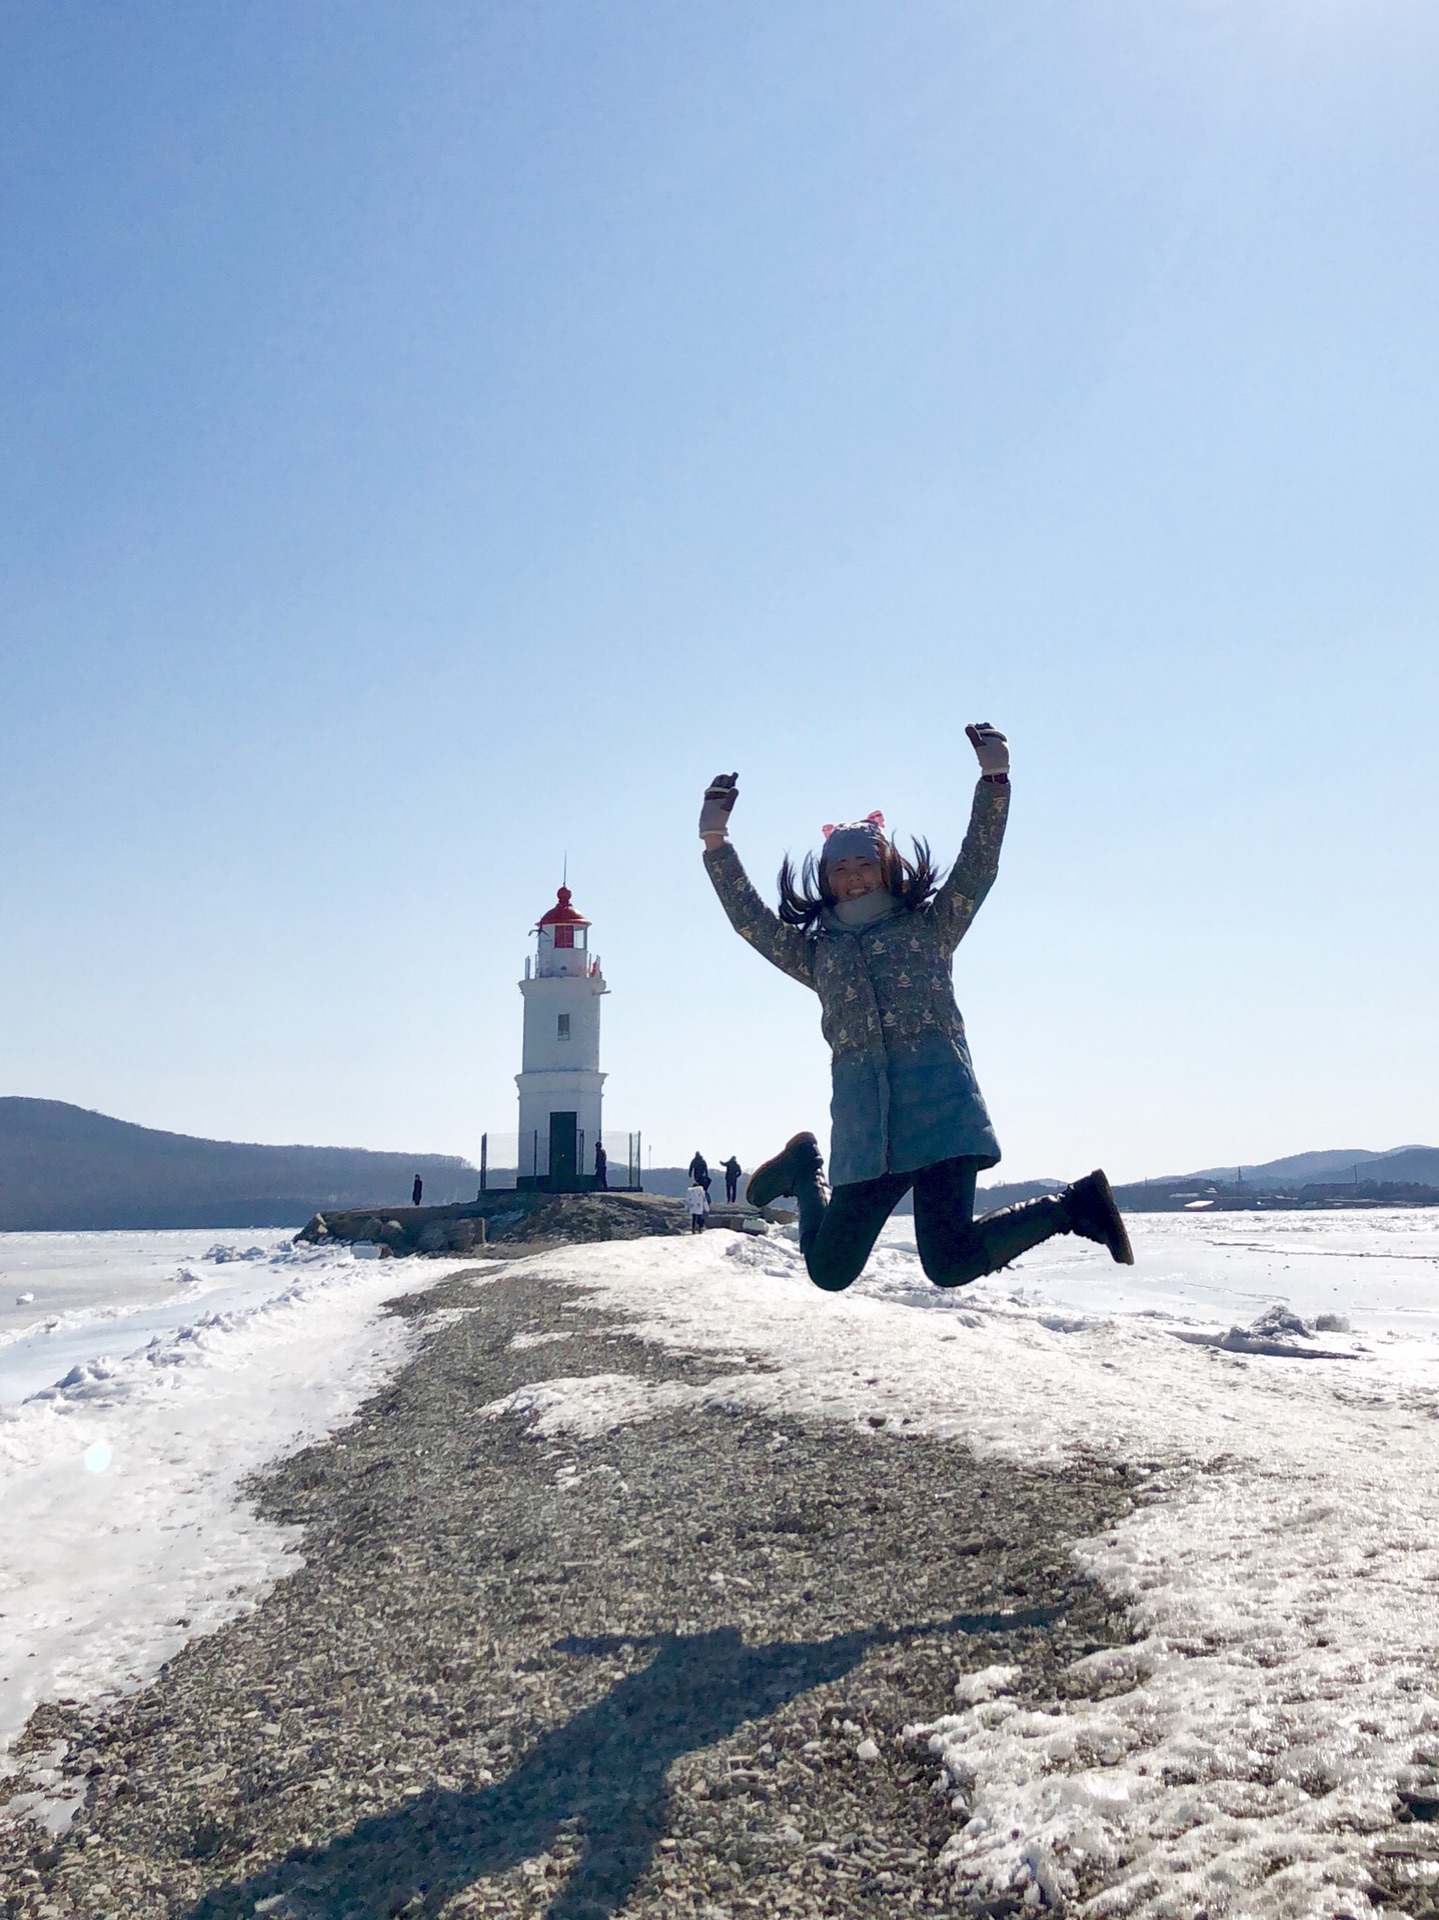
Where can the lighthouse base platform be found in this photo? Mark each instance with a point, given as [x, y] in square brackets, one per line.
[574, 1183]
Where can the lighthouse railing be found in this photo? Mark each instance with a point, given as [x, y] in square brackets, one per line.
[500, 1161]
[622, 1149]
[506, 1158]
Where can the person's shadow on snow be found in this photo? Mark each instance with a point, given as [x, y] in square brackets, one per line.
[604, 1769]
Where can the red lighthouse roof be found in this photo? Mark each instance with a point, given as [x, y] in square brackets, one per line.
[562, 914]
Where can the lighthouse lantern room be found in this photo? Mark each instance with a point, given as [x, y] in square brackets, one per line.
[560, 1082]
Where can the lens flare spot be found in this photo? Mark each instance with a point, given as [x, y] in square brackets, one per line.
[97, 1458]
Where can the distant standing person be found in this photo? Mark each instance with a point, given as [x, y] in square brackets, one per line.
[732, 1172]
[699, 1202]
[602, 1165]
[699, 1171]
[416, 1191]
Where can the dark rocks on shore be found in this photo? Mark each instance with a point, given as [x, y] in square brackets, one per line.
[505, 1218]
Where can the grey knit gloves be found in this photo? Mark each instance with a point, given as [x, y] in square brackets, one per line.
[720, 796]
[991, 750]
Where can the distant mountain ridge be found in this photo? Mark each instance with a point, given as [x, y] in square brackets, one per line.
[1398, 1164]
[65, 1168]
[1412, 1168]
[1333, 1177]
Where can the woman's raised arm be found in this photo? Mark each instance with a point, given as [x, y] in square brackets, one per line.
[784, 946]
[973, 873]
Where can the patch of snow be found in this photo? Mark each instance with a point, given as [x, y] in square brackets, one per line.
[123, 1534]
[773, 1255]
[588, 1405]
[95, 1290]
[47, 1798]
[985, 1684]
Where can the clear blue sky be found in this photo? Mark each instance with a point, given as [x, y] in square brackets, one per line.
[437, 437]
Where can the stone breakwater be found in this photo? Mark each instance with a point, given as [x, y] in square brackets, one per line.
[501, 1218]
[653, 1669]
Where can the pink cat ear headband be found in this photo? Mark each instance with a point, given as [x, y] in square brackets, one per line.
[855, 839]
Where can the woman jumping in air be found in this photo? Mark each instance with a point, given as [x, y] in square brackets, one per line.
[874, 935]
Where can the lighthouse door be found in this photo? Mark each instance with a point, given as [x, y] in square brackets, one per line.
[564, 1148]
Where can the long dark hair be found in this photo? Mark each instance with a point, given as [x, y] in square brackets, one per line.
[804, 896]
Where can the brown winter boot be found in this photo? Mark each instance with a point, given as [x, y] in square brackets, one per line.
[1094, 1215]
[799, 1159]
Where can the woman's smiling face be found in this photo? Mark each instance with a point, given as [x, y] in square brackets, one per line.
[853, 877]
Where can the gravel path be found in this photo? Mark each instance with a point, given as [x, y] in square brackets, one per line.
[659, 1671]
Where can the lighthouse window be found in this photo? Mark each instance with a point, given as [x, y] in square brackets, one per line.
[564, 936]
[564, 1026]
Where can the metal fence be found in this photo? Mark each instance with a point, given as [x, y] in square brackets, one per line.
[506, 1157]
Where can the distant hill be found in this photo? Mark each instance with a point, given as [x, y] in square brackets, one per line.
[62, 1167]
[1333, 1177]
[1335, 1163]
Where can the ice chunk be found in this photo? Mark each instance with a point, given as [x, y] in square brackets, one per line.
[985, 1684]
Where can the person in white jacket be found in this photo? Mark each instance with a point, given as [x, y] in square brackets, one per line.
[699, 1204]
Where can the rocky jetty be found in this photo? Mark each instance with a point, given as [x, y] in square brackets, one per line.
[528, 1219]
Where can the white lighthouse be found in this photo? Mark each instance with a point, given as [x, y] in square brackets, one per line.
[560, 1082]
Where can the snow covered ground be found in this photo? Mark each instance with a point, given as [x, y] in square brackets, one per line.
[67, 1297]
[149, 1374]
[1281, 1562]
[1379, 1270]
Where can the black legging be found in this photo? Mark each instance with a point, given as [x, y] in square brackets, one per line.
[954, 1248]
